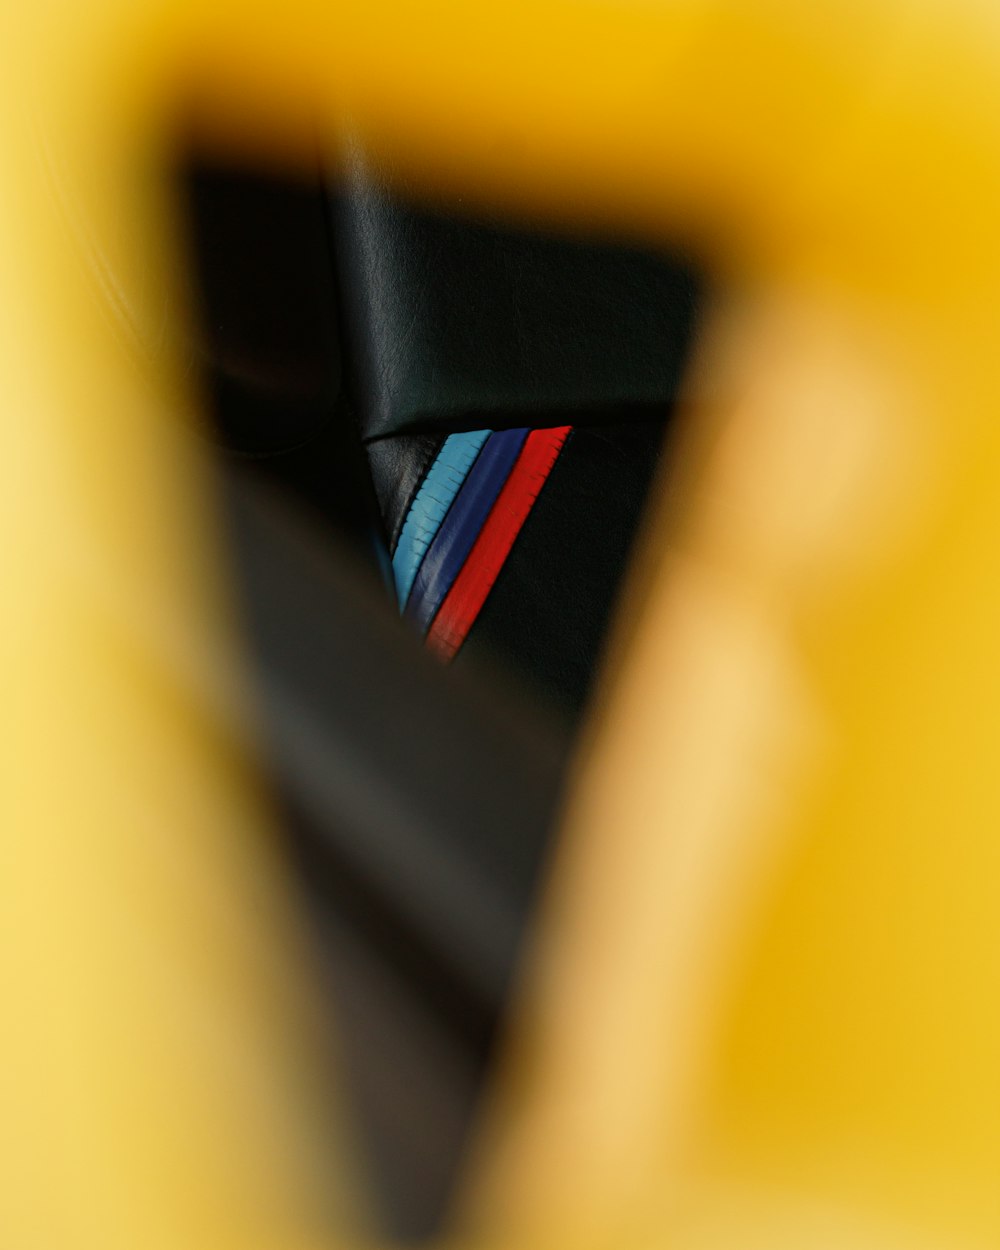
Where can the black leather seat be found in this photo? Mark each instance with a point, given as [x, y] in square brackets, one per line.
[345, 334]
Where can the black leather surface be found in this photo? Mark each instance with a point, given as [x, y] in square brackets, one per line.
[327, 476]
[546, 619]
[417, 802]
[397, 467]
[267, 335]
[267, 338]
[453, 322]
[430, 792]
[419, 805]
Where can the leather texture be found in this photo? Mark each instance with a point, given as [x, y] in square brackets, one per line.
[496, 539]
[397, 467]
[545, 623]
[453, 322]
[431, 504]
[461, 527]
[447, 325]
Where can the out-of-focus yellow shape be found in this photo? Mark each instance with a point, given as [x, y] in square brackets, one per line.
[765, 1008]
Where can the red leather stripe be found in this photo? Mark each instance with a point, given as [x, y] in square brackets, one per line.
[464, 601]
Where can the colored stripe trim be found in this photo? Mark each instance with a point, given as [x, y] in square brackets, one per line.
[460, 528]
[430, 506]
[464, 601]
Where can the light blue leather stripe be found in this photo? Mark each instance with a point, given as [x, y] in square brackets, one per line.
[430, 506]
[460, 528]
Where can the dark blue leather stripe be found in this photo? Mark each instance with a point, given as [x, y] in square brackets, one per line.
[435, 496]
[460, 528]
